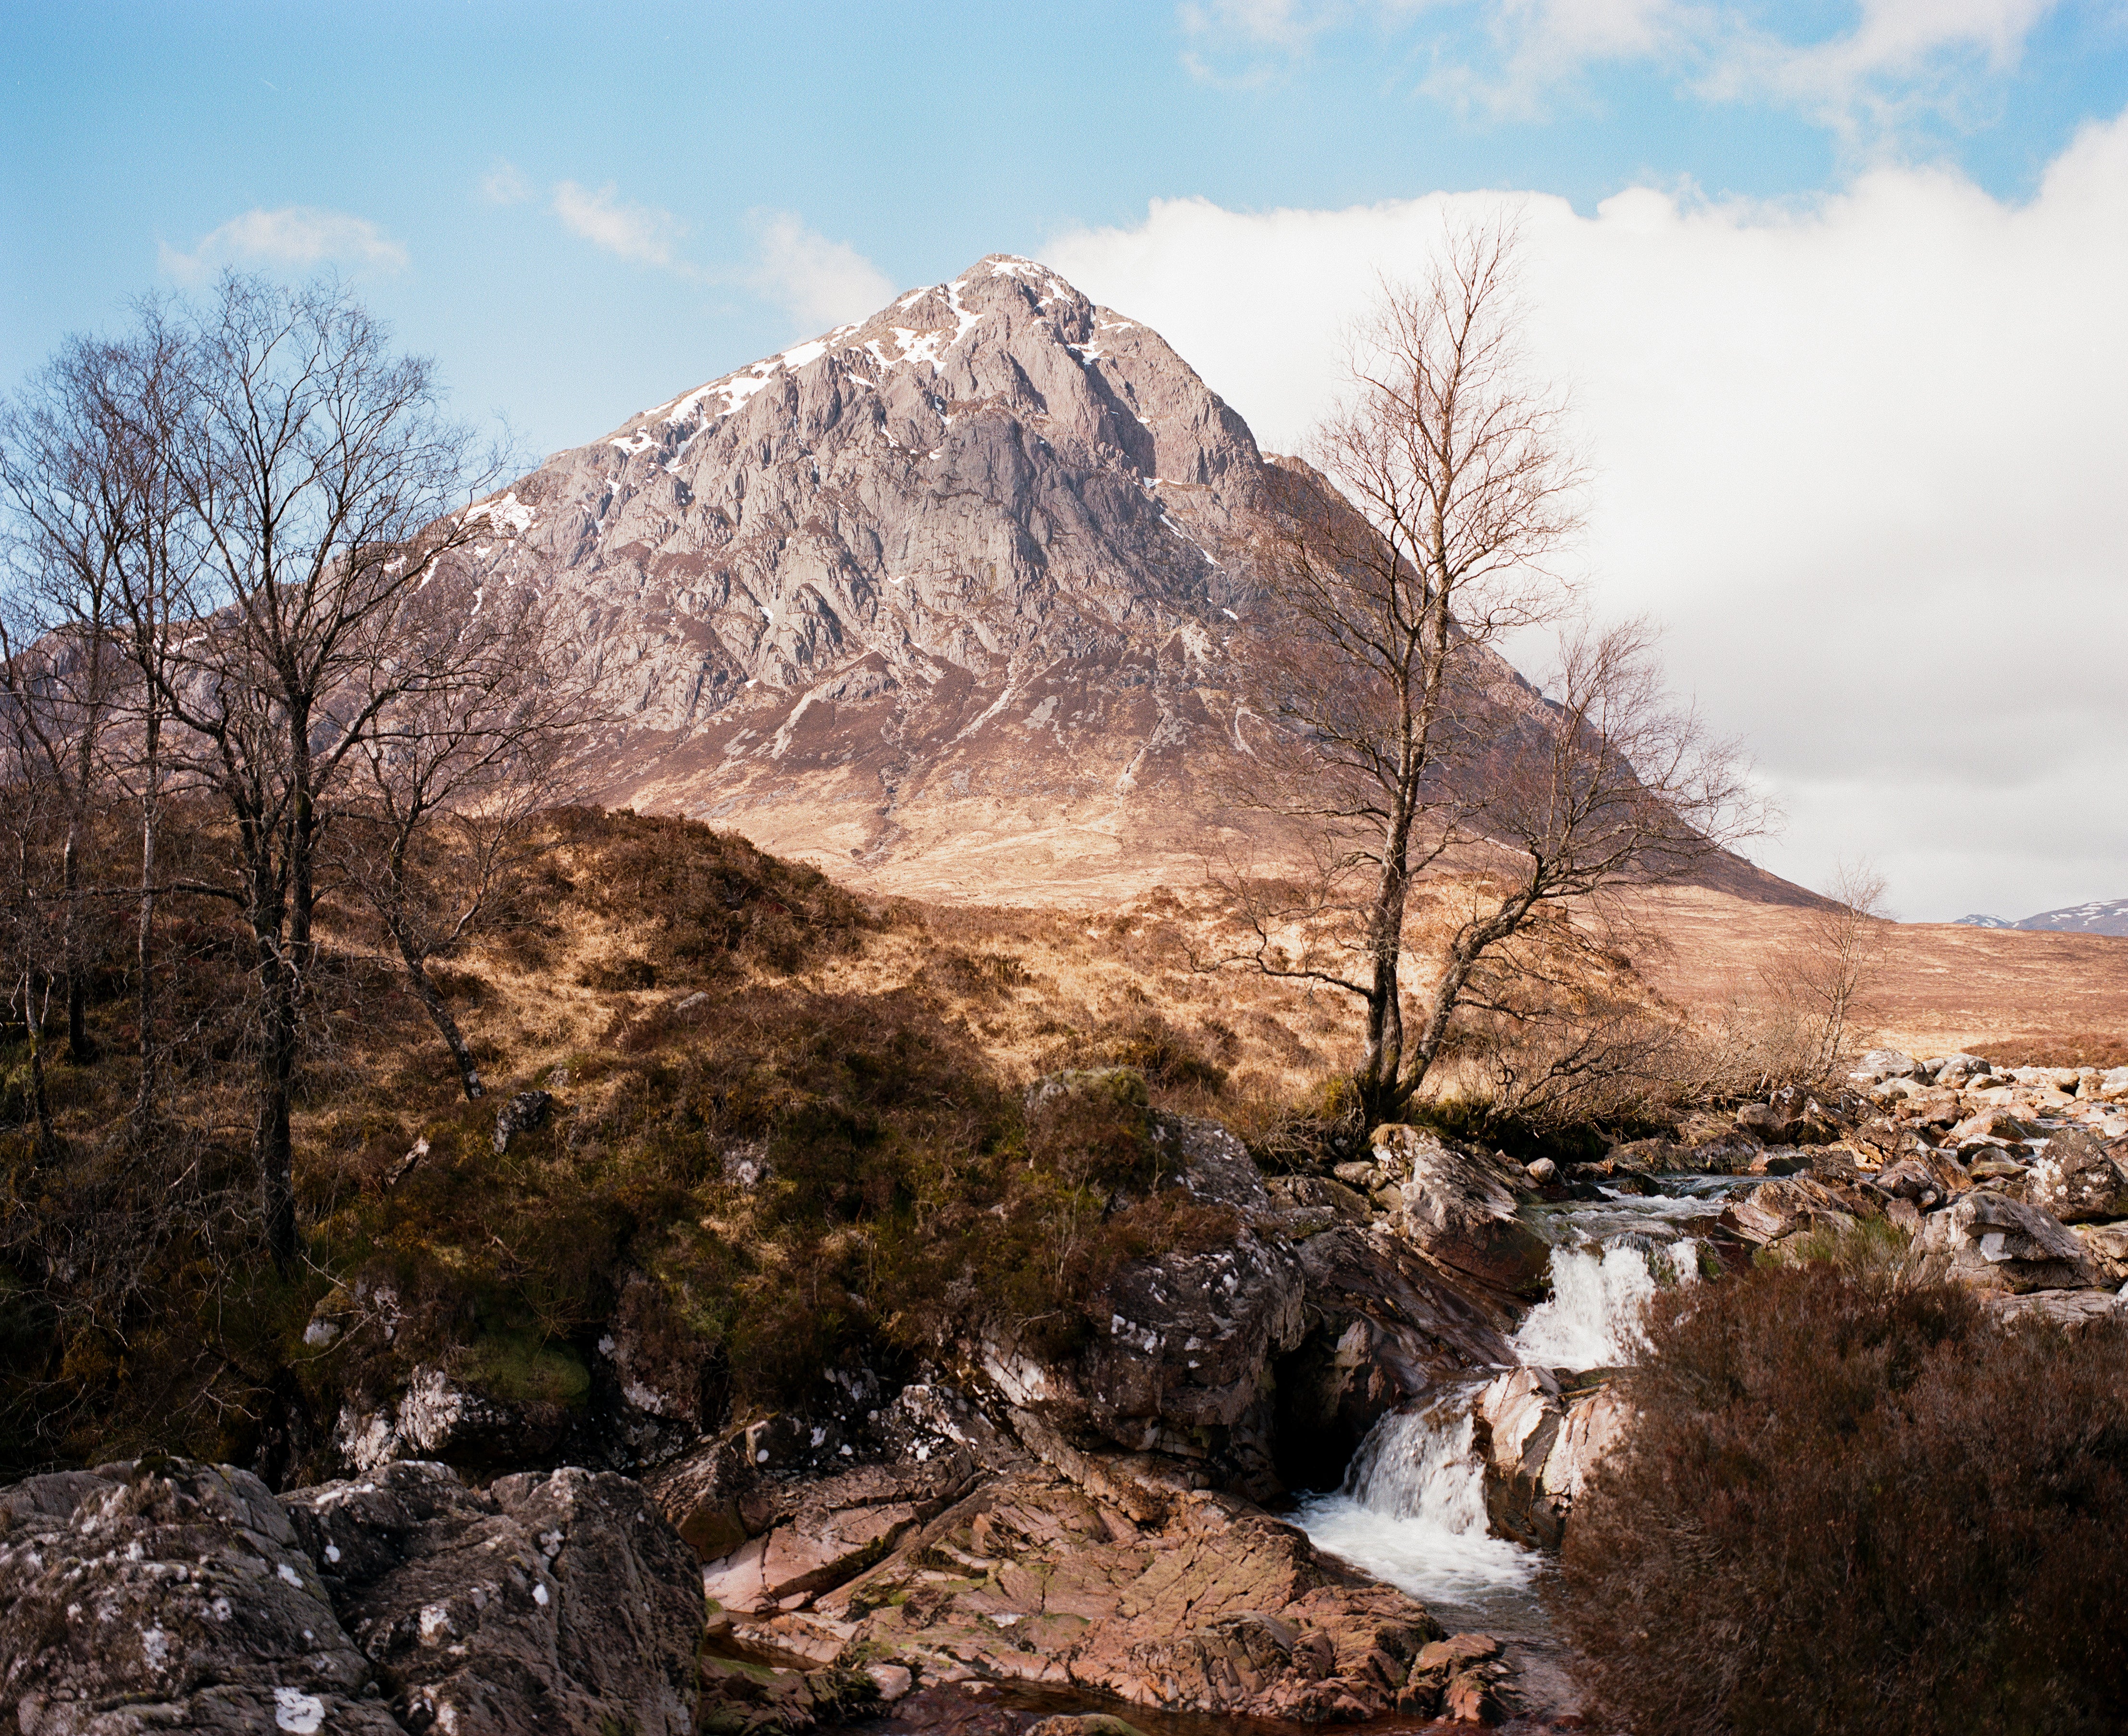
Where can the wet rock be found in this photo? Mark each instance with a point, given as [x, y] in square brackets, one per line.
[1463, 1678]
[177, 1595]
[527, 1110]
[2079, 1180]
[1792, 1205]
[1993, 1243]
[1539, 1446]
[1383, 1325]
[559, 1601]
[1186, 1600]
[1460, 1211]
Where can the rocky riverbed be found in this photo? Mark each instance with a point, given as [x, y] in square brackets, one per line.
[1312, 1474]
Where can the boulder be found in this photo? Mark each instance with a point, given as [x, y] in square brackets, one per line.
[1181, 1347]
[1993, 1243]
[177, 1595]
[2105, 1250]
[2079, 1180]
[437, 1417]
[1539, 1446]
[2072, 1311]
[1791, 1205]
[1887, 1064]
[1460, 1211]
[521, 1114]
[1185, 1600]
[558, 1601]
[1383, 1325]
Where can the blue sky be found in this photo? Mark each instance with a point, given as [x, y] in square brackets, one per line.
[918, 137]
[1805, 266]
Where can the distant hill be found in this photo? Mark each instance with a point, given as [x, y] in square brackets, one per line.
[2101, 916]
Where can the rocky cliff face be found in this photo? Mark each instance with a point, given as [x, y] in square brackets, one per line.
[951, 579]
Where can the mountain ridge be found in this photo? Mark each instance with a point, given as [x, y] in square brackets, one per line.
[938, 599]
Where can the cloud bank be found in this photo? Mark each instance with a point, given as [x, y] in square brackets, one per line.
[1863, 457]
[303, 236]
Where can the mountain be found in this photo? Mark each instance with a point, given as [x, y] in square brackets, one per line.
[2101, 916]
[938, 599]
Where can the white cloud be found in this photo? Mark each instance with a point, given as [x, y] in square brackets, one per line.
[1901, 60]
[1863, 458]
[504, 185]
[296, 235]
[821, 283]
[642, 233]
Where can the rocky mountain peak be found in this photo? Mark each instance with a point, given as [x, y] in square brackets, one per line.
[887, 545]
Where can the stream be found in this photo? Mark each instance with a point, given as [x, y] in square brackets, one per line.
[1411, 1510]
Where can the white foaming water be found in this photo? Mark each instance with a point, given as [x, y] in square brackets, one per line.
[1592, 1319]
[1412, 1512]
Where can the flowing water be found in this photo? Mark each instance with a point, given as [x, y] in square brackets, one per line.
[1411, 1510]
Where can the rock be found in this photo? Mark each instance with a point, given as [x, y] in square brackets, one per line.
[741, 1698]
[1211, 1164]
[660, 1367]
[1998, 1124]
[1887, 1064]
[438, 1418]
[1792, 1205]
[1539, 1447]
[2078, 1179]
[169, 1596]
[1182, 1347]
[1760, 1119]
[1188, 1600]
[1460, 1211]
[1384, 1325]
[1911, 1180]
[1084, 1723]
[1462, 1679]
[557, 1602]
[521, 1114]
[2105, 1250]
[893, 1681]
[815, 1534]
[1540, 1172]
[2070, 1310]
[1996, 1244]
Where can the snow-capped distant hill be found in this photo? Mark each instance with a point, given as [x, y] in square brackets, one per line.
[2101, 916]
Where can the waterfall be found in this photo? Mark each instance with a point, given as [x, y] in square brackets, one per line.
[1413, 1510]
[1592, 1319]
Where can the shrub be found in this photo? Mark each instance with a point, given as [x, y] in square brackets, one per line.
[1849, 1503]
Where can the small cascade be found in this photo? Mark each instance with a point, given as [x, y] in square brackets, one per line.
[1411, 1511]
[1592, 1320]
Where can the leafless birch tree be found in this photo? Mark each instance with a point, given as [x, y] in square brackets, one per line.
[1382, 722]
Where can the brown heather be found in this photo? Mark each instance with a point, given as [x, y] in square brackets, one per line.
[1850, 1504]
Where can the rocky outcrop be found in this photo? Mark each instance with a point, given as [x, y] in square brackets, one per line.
[133, 1598]
[1993, 1243]
[146, 1596]
[2079, 1180]
[1460, 1211]
[1172, 1597]
[1540, 1445]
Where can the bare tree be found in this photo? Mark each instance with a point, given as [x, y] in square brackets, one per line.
[1389, 728]
[453, 777]
[1825, 976]
[325, 485]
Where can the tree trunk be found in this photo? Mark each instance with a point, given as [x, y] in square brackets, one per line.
[432, 1000]
[273, 1146]
[144, 1101]
[79, 1049]
[48, 1138]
